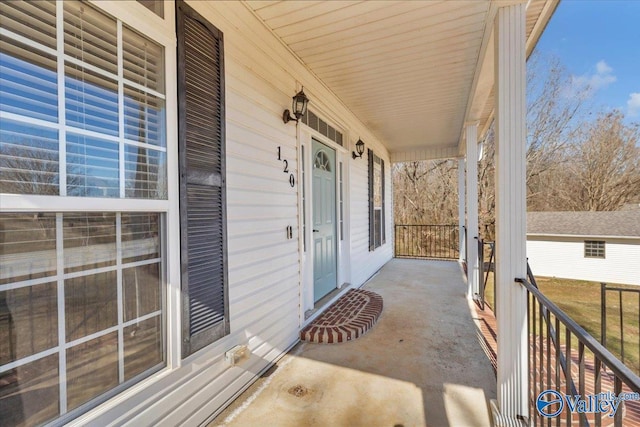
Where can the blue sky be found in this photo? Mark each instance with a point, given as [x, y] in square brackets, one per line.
[598, 41]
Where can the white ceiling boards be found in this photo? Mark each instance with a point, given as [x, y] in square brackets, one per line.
[413, 71]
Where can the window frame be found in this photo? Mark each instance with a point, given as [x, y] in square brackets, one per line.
[377, 237]
[595, 249]
[162, 32]
[324, 128]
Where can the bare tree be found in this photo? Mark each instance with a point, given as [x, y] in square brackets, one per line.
[425, 192]
[486, 187]
[554, 106]
[603, 171]
[28, 171]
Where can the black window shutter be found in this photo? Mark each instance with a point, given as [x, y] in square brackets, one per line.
[201, 148]
[372, 242]
[382, 223]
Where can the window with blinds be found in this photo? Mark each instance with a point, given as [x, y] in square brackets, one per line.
[82, 310]
[377, 233]
[112, 105]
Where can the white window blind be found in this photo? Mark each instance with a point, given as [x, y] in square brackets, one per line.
[111, 133]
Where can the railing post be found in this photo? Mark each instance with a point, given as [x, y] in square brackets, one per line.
[461, 209]
[481, 273]
[621, 324]
[603, 314]
[472, 209]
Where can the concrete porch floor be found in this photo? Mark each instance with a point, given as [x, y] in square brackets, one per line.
[420, 365]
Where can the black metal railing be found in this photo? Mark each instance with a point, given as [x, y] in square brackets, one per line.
[464, 244]
[619, 313]
[565, 358]
[427, 241]
[485, 268]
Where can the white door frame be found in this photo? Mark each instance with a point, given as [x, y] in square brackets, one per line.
[305, 136]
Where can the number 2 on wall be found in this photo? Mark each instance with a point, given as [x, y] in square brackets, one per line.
[292, 178]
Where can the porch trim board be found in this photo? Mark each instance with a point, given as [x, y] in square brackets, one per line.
[510, 129]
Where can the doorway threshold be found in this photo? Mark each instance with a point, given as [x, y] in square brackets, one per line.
[325, 301]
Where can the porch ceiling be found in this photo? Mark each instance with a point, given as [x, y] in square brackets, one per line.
[412, 71]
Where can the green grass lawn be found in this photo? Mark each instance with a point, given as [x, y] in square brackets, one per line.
[581, 301]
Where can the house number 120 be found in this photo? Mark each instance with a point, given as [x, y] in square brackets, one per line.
[292, 178]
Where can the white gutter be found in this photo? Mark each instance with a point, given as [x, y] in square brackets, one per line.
[584, 236]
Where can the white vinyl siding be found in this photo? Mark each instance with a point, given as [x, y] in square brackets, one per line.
[564, 257]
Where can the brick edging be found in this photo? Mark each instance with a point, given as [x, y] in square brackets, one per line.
[350, 317]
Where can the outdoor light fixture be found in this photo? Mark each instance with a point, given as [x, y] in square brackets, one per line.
[359, 149]
[299, 107]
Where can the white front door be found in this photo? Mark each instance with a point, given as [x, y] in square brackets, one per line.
[324, 220]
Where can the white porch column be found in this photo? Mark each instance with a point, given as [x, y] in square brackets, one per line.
[472, 210]
[511, 207]
[461, 209]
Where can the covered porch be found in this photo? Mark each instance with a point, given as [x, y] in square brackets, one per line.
[421, 364]
[428, 79]
[408, 81]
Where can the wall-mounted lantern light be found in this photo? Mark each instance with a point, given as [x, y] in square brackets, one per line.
[359, 149]
[299, 107]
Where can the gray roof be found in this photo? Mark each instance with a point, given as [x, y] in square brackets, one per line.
[615, 223]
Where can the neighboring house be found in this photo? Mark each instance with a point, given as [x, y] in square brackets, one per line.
[156, 211]
[594, 246]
